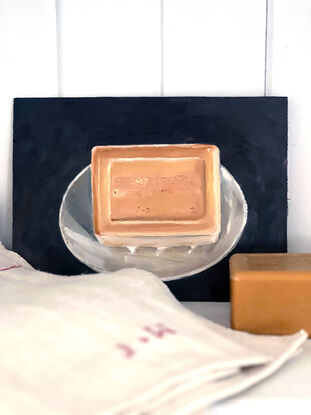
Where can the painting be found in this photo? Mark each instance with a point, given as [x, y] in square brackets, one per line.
[53, 139]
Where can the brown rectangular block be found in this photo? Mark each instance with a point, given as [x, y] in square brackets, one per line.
[165, 190]
[271, 293]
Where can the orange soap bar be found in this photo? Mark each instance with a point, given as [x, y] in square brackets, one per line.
[271, 293]
[156, 190]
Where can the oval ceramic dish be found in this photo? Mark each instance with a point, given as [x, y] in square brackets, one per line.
[76, 226]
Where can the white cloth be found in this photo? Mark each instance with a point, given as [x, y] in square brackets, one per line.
[118, 343]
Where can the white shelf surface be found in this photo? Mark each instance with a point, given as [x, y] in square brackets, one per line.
[286, 391]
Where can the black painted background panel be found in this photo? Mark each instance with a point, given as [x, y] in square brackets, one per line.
[53, 138]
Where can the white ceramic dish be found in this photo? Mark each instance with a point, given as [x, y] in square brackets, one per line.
[76, 226]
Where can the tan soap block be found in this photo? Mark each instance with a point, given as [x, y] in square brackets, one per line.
[271, 293]
[148, 191]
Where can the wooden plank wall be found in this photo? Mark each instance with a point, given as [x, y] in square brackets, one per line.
[158, 48]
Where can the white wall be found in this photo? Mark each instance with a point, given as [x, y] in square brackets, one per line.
[161, 47]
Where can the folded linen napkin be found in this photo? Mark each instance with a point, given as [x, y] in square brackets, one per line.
[118, 343]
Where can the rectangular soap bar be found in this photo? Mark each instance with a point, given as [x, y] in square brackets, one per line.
[156, 190]
[271, 293]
